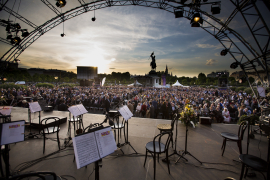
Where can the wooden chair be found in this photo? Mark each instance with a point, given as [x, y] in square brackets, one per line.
[50, 126]
[167, 128]
[157, 147]
[233, 137]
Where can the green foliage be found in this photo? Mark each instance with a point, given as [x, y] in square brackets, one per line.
[12, 85]
[239, 89]
[202, 77]
[67, 85]
[252, 118]
[233, 88]
[45, 85]
[248, 90]
[203, 86]
[251, 80]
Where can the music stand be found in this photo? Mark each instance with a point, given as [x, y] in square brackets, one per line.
[126, 114]
[11, 132]
[175, 140]
[33, 108]
[185, 151]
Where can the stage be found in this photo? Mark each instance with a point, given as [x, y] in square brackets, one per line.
[204, 142]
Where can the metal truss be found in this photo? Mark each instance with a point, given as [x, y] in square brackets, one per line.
[5, 41]
[217, 28]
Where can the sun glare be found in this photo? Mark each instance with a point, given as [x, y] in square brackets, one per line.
[95, 57]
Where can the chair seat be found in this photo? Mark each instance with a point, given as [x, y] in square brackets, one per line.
[164, 127]
[74, 120]
[118, 126]
[254, 162]
[229, 136]
[51, 130]
[150, 147]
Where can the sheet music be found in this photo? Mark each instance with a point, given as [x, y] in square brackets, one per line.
[74, 111]
[125, 112]
[85, 149]
[5, 110]
[34, 107]
[82, 109]
[12, 132]
[105, 141]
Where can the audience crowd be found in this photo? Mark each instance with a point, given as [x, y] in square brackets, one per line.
[220, 105]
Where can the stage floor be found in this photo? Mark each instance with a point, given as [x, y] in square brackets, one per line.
[204, 142]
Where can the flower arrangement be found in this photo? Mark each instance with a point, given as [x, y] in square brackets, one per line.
[188, 116]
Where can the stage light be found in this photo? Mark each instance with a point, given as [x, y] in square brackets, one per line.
[25, 33]
[196, 20]
[61, 3]
[17, 60]
[179, 13]
[234, 65]
[17, 26]
[215, 9]
[9, 36]
[16, 40]
[8, 28]
[93, 19]
[223, 52]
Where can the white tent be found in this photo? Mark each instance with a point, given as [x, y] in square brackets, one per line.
[135, 84]
[177, 84]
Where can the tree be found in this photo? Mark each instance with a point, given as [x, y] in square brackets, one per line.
[202, 77]
[251, 80]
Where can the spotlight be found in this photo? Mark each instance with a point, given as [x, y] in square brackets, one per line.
[9, 36]
[25, 33]
[16, 40]
[93, 19]
[179, 13]
[17, 26]
[223, 52]
[61, 3]
[8, 28]
[215, 9]
[62, 35]
[234, 65]
[196, 20]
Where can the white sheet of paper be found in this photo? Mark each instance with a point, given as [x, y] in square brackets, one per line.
[85, 149]
[34, 107]
[12, 132]
[105, 141]
[5, 110]
[74, 111]
[82, 109]
[125, 112]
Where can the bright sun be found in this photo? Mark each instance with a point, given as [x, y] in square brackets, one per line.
[95, 57]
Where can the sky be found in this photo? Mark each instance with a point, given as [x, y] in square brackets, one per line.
[122, 39]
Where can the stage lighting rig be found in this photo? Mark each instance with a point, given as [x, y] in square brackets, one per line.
[234, 65]
[224, 52]
[179, 12]
[61, 3]
[9, 36]
[17, 26]
[25, 33]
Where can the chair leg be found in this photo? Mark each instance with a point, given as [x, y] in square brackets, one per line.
[154, 166]
[223, 143]
[168, 162]
[158, 157]
[240, 146]
[145, 158]
[224, 146]
[172, 140]
[246, 172]
[44, 139]
[58, 140]
[125, 134]
[242, 171]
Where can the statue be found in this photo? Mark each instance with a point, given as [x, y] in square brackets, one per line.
[153, 63]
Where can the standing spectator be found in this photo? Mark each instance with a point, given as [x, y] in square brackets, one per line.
[226, 116]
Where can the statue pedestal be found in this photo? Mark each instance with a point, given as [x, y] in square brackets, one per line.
[155, 78]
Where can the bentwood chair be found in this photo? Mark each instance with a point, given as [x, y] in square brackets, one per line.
[167, 128]
[39, 175]
[156, 147]
[50, 126]
[233, 137]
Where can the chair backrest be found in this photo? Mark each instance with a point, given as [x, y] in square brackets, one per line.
[34, 174]
[242, 128]
[158, 137]
[87, 129]
[50, 122]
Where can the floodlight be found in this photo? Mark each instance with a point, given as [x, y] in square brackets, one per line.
[16, 40]
[234, 65]
[8, 28]
[179, 13]
[196, 20]
[17, 26]
[9, 36]
[25, 33]
[215, 9]
[61, 3]
[224, 52]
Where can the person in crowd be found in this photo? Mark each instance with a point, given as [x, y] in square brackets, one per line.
[226, 116]
[138, 110]
[218, 115]
[143, 109]
[62, 106]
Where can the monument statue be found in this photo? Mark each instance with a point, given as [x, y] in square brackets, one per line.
[153, 63]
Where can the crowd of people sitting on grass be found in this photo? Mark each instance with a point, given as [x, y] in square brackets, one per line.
[221, 105]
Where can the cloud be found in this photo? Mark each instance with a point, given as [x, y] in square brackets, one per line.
[211, 62]
[112, 68]
[209, 46]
